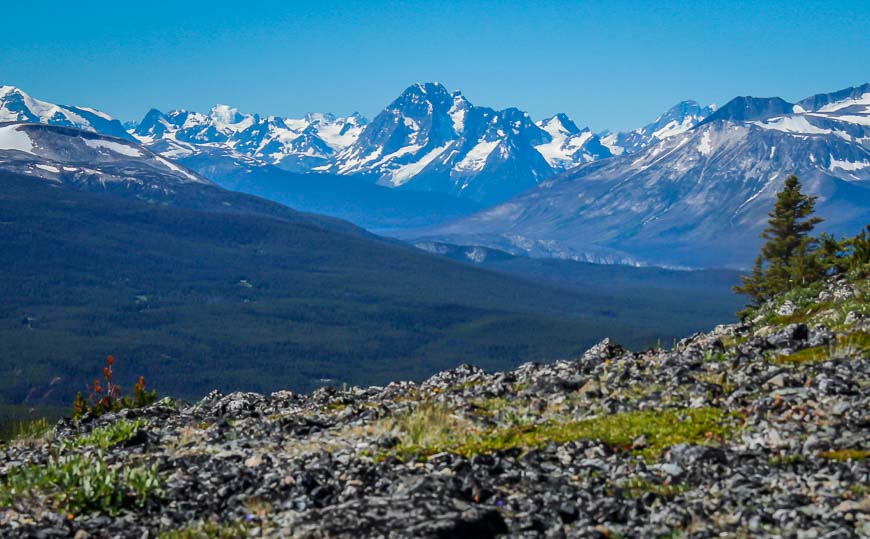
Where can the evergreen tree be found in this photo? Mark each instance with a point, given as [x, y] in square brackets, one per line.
[788, 257]
[752, 285]
[859, 260]
[833, 254]
[788, 242]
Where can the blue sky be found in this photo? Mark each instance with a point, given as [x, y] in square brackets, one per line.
[609, 64]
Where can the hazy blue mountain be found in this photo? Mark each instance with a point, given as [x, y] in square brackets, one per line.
[293, 144]
[677, 120]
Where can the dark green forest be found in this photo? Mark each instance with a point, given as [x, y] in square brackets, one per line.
[196, 300]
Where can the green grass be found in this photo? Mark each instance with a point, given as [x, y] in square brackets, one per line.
[815, 354]
[849, 345]
[857, 342]
[81, 483]
[22, 422]
[29, 430]
[109, 435]
[430, 432]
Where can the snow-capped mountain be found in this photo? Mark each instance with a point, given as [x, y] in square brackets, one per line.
[88, 160]
[677, 120]
[292, 144]
[17, 106]
[428, 139]
[569, 146]
[695, 199]
[431, 139]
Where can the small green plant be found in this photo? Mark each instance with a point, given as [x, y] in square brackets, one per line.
[79, 483]
[104, 399]
[430, 424]
[110, 435]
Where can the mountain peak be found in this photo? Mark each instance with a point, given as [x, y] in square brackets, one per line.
[747, 108]
[227, 116]
[816, 102]
[6, 90]
[561, 122]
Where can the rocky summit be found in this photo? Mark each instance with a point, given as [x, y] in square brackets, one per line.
[757, 429]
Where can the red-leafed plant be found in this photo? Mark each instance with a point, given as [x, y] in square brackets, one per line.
[107, 398]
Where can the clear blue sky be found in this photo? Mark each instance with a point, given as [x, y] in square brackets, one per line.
[608, 64]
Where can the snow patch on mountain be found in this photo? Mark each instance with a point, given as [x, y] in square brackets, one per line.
[476, 158]
[12, 138]
[117, 147]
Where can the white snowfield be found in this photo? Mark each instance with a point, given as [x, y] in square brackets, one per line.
[11, 138]
[44, 112]
[124, 149]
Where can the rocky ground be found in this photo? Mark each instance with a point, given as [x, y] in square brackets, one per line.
[752, 430]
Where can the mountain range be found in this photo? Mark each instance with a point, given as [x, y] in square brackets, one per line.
[429, 139]
[433, 167]
[698, 198]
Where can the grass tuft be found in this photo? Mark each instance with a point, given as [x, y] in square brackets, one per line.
[433, 430]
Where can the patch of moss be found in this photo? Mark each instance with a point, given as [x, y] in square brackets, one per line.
[209, 530]
[815, 354]
[858, 491]
[636, 487]
[720, 380]
[858, 341]
[785, 460]
[661, 428]
[842, 455]
[733, 341]
[336, 406]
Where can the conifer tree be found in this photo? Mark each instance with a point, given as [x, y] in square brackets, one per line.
[860, 256]
[788, 242]
[788, 257]
[752, 285]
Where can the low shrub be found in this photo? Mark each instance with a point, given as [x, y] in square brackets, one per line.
[107, 398]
